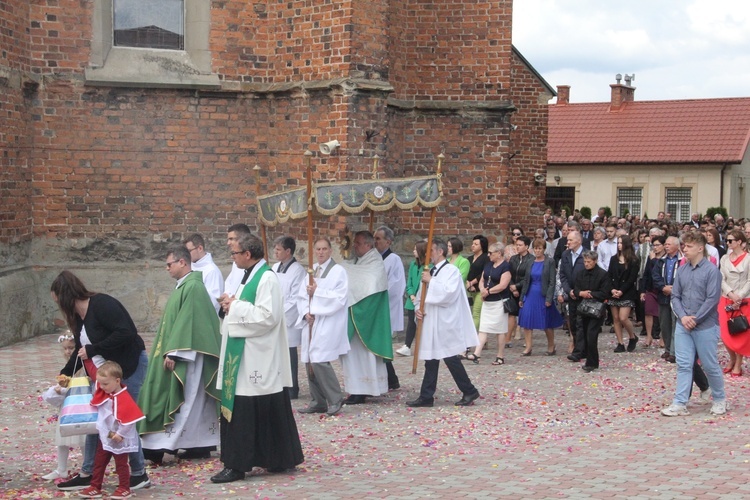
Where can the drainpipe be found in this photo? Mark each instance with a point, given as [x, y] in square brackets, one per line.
[721, 185]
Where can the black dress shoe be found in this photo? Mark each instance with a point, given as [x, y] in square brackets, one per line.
[467, 399]
[420, 403]
[194, 454]
[589, 369]
[227, 476]
[355, 399]
[393, 387]
[312, 409]
[573, 358]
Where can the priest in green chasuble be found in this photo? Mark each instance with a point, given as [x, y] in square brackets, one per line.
[179, 396]
[365, 372]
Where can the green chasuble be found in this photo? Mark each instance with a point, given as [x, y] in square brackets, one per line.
[370, 318]
[189, 323]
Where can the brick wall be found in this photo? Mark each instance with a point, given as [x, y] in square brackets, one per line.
[457, 50]
[107, 176]
[526, 203]
[15, 136]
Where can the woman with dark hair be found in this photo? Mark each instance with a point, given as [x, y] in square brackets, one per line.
[477, 261]
[623, 272]
[647, 291]
[455, 247]
[412, 285]
[103, 331]
[713, 239]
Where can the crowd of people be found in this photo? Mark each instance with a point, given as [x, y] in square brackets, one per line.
[223, 368]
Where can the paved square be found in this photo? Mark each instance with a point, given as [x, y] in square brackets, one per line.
[543, 428]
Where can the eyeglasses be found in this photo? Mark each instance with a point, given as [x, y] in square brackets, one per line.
[191, 249]
[237, 253]
[169, 264]
[516, 234]
[731, 240]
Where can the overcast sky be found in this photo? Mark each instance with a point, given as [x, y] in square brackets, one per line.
[678, 49]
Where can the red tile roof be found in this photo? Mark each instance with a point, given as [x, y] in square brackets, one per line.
[689, 131]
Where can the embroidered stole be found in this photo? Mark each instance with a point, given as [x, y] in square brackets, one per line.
[234, 349]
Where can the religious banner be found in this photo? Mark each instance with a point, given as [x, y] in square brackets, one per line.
[377, 194]
[279, 207]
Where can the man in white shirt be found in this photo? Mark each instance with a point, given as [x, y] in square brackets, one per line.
[204, 262]
[291, 276]
[394, 269]
[234, 278]
[447, 329]
[608, 248]
[323, 317]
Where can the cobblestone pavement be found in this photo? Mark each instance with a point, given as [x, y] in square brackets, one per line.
[542, 429]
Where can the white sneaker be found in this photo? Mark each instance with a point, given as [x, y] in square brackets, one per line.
[404, 351]
[705, 397]
[674, 410]
[52, 476]
[719, 408]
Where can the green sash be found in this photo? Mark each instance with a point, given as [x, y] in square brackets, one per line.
[234, 348]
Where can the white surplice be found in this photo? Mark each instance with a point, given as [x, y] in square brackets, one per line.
[290, 281]
[329, 306]
[394, 269]
[213, 280]
[265, 367]
[448, 328]
[233, 281]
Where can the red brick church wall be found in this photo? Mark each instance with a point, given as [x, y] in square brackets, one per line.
[112, 174]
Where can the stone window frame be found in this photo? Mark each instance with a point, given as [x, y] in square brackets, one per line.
[632, 198]
[112, 66]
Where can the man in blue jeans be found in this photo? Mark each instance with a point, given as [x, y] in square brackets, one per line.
[695, 298]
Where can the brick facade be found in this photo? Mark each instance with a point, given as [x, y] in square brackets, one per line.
[109, 174]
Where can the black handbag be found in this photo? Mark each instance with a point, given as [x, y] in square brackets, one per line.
[592, 309]
[511, 306]
[737, 323]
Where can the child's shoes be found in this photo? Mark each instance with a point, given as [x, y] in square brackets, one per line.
[53, 475]
[91, 492]
[121, 493]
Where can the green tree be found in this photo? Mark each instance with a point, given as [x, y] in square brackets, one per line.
[711, 211]
[586, 212]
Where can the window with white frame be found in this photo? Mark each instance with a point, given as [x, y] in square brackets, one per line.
[678, 202]
[151, 44]
[630, 200]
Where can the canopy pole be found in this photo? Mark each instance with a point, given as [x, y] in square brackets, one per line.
[308, 158]
[257, 169]
[375, 161]
[423, 293]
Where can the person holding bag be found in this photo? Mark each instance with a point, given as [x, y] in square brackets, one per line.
[103, 331]
[593, 283]
[735, 291]
[493, 288]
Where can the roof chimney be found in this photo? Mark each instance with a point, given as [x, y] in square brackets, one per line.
[621, 93]
[563, 94]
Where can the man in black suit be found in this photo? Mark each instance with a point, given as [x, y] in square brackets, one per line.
[587, 232]
[571, 263]
[562, 245]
